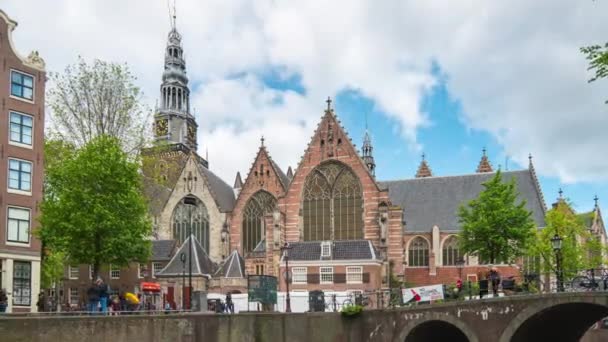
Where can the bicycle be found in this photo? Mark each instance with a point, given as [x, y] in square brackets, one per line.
[590, 281]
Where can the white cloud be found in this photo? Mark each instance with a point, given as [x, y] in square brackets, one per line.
[514, 66]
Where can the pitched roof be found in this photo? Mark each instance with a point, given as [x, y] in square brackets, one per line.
[424, 170]
[282, 177]
[232, 267]
[434, 201]
[238, 181]
[201, 264]
[340, 250]
[156, 194]
[162, 249]
[222, 192]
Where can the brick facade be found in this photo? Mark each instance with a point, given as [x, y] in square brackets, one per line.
[23, 98]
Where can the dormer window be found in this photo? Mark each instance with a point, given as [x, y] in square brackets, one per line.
[325, 249]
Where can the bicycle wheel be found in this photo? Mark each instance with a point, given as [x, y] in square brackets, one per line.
[581, 283]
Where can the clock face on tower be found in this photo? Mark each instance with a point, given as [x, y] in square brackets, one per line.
[162, 128]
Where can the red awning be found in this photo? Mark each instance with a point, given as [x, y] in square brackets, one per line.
[150, 287]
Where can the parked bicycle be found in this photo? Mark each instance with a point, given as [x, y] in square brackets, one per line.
[590, 281]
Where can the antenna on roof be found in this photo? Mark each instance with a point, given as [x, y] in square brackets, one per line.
[172, 13]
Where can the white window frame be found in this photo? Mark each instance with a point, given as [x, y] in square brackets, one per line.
[18, 143]
[299, 275]
[156, 267]
[29, 226]
[90, 271]
[325, 249]
[327, 271]
[8, 177]
[10, 86]
[141, 267]
[71, 295]
[354, 274]
[71, 271]
[114, 272]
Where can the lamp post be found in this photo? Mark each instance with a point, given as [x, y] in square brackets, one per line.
[182, 257]
[556, 243]
[285, 250]
[191, 202]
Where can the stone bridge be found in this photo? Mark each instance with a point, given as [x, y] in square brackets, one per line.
[549, 317]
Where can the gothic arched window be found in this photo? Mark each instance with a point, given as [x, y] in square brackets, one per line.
[451, 252]
[332, 206]
[418, 252]
[200, 222]
[260, 204]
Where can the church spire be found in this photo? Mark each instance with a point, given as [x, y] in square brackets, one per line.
[423, 169]
[484, 163]
[367, 155]
[174, 123]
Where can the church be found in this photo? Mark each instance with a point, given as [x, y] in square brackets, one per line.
[338, 226]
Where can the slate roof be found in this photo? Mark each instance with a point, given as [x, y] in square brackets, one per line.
[162, 250]
[431, 201]
[222, 192]
[282, 176]
[201, 264]
[233, 267]
[340, 250]
[156, 194]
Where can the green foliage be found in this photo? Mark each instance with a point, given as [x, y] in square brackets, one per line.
[52, 268]
[96, 213]
[494, 226]
[100, 98]
[598, 61]
[580, 250]
[351, 310]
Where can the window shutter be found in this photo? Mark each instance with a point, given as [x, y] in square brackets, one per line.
[339, 278]
[366, 277]
[313, 278]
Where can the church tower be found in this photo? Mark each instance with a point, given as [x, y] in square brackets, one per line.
[173, 122]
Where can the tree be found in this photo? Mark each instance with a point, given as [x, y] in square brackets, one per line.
[96, 214]
[90, 100]
[494, 226]
[580, 250]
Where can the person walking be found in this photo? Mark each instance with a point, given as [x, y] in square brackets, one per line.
[103, 291]
[229, 303]
[494, 279]
[3, 300]
[93, 298]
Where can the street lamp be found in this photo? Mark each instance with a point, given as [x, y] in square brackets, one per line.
[191, 202]
[285, 250]
[182, 257]
[556, 243]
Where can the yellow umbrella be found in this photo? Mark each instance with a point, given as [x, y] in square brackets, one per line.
[131, 298]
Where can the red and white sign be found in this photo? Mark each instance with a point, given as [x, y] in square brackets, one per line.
[423, 293]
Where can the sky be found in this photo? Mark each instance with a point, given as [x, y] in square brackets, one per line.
[443, 78]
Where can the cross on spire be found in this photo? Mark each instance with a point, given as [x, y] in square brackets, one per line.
[262, 140]
[595, 199]
[561, 193]
[423, 156]
[328, 103]
[484, 151]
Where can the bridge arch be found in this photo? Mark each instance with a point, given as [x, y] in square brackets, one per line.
[436, 327]
[564, 318]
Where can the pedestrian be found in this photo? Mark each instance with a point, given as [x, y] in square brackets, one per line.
[494, 279]
[93, 298]
[3, 300]
[103, 291]
[40, 302]
[229, 303]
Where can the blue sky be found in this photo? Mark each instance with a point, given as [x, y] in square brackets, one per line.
[443, 78]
